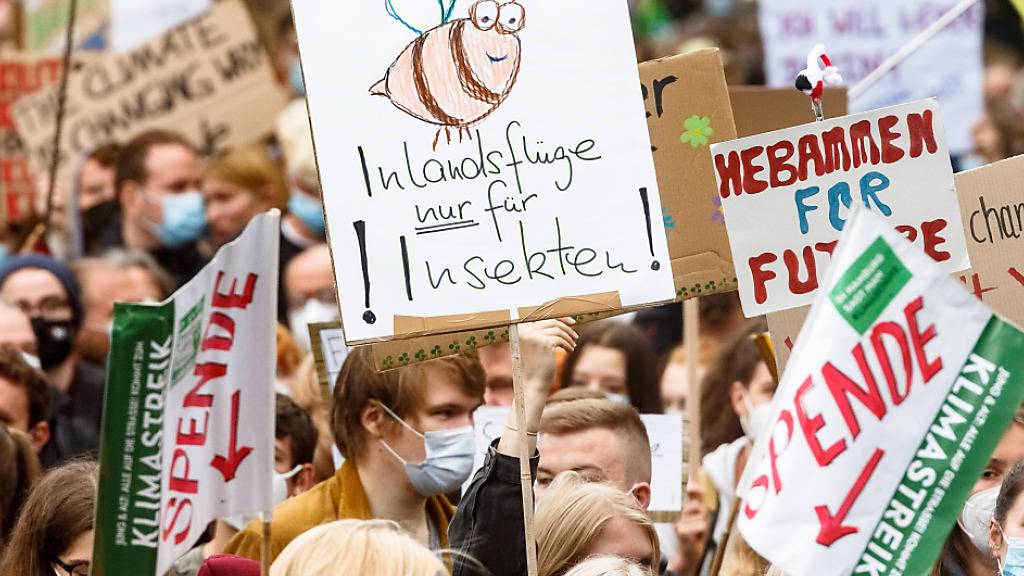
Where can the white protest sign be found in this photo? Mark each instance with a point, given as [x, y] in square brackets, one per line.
[472, 173]
[861, 34]
[787, 194]
[133, 22]
[665, 432]
[892, 344]
[188, 428]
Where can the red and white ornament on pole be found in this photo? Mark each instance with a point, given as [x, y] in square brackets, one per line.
[813, 80]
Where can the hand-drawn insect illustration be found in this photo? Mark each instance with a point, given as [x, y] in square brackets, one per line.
[459, 72]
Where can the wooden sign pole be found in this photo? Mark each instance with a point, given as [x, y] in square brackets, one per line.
[265, 546]
[524, 451]
[691, 336]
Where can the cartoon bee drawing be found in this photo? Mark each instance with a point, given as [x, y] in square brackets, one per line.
[460, 72]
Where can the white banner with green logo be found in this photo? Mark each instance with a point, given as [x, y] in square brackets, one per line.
[188, 425]
[898, 390]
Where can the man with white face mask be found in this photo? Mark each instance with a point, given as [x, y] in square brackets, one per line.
[295, 439]
[407, 438]
[309, 292]
[158, 181]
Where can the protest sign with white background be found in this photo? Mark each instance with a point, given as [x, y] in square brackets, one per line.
[861, 34]
[472, 174]
[787, 195]
[892, 341]
[189, 397]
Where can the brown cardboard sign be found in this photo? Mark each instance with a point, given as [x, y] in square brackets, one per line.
[992, 205]
[210, 78]
[758, 109]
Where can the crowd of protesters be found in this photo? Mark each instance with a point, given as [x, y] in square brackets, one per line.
[151, 212]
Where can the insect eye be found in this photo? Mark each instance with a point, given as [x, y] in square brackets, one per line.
[485, 14]
[512, 18]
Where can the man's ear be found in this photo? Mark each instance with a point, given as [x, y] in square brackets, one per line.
[304, 479]
[736, 394]
[372, 419]
[995, 538]
[129, 195]
[642, 493]
[40, 435]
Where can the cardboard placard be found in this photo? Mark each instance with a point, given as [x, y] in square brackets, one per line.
[992, 204]
[787, 195]
[758, 109]
[676, 88]
[20, 75]
[210, 79]
[892, 343]
[860, 34]
[459, 195]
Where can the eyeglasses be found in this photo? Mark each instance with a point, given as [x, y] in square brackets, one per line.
[76, 568]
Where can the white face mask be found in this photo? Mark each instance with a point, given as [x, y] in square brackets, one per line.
[278, 494]
[975, 518]
[617, 398]
[449, 460]
[1014, 563]
[312, 312]
[756, 419]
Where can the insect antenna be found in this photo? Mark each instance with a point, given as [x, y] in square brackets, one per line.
[446, 14]
[390, 8]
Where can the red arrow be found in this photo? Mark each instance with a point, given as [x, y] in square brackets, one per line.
[229, 465]
[1016, 275]
[832, 528]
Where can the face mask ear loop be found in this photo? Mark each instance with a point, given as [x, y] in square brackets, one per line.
[392, 451]
[291, 473]
[400, 421]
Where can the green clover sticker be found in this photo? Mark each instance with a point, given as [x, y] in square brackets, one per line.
[471, 342]
[404, 358]
[421, 355]
[489, 337]
[697, 129]
[454, 346]
[389, 362]
[436, 351]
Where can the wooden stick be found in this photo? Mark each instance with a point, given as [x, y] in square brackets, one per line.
[691, 336]
[265, 546]
[62, 97]
[525, 477]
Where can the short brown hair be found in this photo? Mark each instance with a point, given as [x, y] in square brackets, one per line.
[570, 417]
[400, 390]
[295, 425]
[251, 168]
[59, 509]
[17, 476]
[131, 165]
[106, 155]
[19, 373]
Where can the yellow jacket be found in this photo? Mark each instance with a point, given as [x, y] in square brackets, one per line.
[338, 498]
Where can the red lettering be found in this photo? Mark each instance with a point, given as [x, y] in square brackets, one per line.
[909, 232]
[193, 437]
[778, 164]
[759, 482]
[861, 137]
[842, 387]
[233, 299]
[930, 231]
[893, 330]
[837, 153]
[826, 247]
[761, 276]
[890, 152]
[751, 185]
[920, 339]
[179, 509]
[810, 427]
[729, 174]
[797, 286]
[773, 452]
[922, 134]
[219, 342]
[206, 372]
[182, 483]
[1017, 275]
[810, 152]
[977, 289]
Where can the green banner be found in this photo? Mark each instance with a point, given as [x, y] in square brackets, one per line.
[955, 450]
[128, 508]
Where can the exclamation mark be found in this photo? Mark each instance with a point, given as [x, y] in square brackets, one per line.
[650, 238]
[369, 317]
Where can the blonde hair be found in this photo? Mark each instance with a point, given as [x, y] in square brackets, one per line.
[572, 515]
[250, 167]
[377, 547]
[609, 566]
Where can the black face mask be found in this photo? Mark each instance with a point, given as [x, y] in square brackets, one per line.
[98, 218]
[56, 339]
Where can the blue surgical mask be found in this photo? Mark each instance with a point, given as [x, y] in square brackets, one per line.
[1014, 563]
[720, 8]
[5, 253]
[308, 211]
[183, 219]
[295, 77]
[449, 460]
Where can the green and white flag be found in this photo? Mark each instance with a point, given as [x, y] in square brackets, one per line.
[188, 425]
[896, 394]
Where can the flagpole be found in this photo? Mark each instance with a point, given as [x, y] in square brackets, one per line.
[265, 546]
[691, 336]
